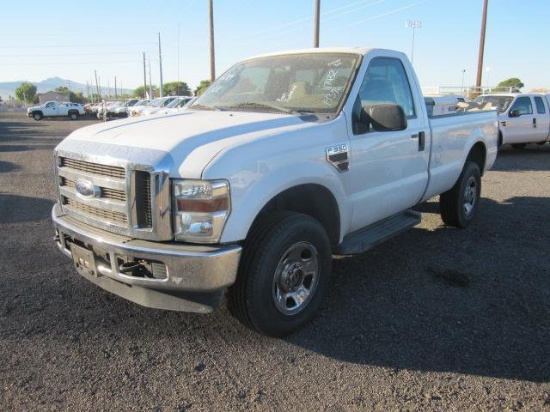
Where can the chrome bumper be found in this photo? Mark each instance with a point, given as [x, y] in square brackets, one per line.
[194, 277]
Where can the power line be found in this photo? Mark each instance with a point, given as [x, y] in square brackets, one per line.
[64, 46]
[71, 63]
[383, 14]
[66, 55]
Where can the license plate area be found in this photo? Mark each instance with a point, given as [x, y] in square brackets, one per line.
[84, 259]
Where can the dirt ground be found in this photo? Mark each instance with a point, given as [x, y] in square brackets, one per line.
[437, 319]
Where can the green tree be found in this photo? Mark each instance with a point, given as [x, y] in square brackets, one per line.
[26, 92]
[176, 89]
[138, 92]
[512, 82]
[71, 96]
[202, 87]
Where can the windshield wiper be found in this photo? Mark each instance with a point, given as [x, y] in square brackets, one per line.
[205, 107]
[257, 105]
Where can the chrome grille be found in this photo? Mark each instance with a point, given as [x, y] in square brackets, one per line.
[122, 199]
[111, 217]
[93, 168]
[106, 192]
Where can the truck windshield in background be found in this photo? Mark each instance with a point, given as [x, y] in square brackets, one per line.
[293, 83]
[500, 103]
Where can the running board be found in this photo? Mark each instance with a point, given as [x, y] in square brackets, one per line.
[364, 239]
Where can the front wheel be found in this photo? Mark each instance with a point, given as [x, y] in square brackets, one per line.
[459, 205]
[37, 116]
[284, 273]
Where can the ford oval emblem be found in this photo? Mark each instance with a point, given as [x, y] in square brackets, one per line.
[85, 188]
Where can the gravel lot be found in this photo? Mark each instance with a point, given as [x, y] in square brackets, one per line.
[437, 319]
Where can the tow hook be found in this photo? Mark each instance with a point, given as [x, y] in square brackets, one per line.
[132, 267]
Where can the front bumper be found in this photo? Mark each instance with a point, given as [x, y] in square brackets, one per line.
[192, 278]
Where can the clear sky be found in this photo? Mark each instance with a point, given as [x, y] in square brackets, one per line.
[72, 39]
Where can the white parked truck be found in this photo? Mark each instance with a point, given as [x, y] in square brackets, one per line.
[286, 160]
[56, 109]
[523, 117]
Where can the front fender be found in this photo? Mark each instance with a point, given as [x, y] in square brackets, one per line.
[250, 194]
[266, 165]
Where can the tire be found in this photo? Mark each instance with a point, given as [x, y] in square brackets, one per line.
[273, 294]
[519, 146]
[73, 116]
[459, 205]
[37, 116]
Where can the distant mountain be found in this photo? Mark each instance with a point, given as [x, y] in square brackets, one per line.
[8, 88]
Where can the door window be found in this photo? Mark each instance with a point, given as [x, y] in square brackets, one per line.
[386, 82]
[523, 105]
[540, 105]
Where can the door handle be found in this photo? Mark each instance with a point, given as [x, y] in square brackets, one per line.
[421, 136]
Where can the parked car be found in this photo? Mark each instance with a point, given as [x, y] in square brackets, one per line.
[122, 109]
[523, 117]
[156, 105]
[106, 111]
[139, 106]
[56, 109]
[284, 161]
[176, 105]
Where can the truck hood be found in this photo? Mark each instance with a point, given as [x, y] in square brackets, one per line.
[172, 139]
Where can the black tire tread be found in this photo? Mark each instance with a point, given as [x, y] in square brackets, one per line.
[449, 200]
[237, 292]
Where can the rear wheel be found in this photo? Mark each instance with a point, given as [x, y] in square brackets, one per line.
[519, 146]
[283, 275]
[73, 115]
[37, 116]
[459, 205]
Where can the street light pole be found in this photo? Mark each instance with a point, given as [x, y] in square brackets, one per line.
[212, 48]
[462, 85]
[316, 23]
[413, 24]
[481, 44]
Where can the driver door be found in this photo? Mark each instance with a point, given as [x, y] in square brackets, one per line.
[389, 169]
[520, 128]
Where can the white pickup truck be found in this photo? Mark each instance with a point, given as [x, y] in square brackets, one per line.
[286, 160]
[56, 109]
[523, 117]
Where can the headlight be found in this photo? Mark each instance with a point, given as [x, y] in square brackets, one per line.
[200, 208]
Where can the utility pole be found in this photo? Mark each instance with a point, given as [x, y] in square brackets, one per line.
[481, 45]
[150, 83]
[212, 57]
[144, 78]
[97, 85]
[116, 97]
[316, 23]
[160, 63]
[178, 55]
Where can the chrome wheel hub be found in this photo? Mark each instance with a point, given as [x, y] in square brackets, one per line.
[470, 196]
[296, 278]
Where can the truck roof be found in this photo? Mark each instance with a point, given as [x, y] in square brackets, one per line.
[353, 50]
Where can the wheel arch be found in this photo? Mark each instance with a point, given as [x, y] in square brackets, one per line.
[478, 155]
[313, 200]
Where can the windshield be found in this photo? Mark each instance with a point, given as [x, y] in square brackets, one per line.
[294, 83]
[175, 102]
[501, 103]
[157, 102]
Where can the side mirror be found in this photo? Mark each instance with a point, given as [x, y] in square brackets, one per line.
[514, 113]
[384, 117]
